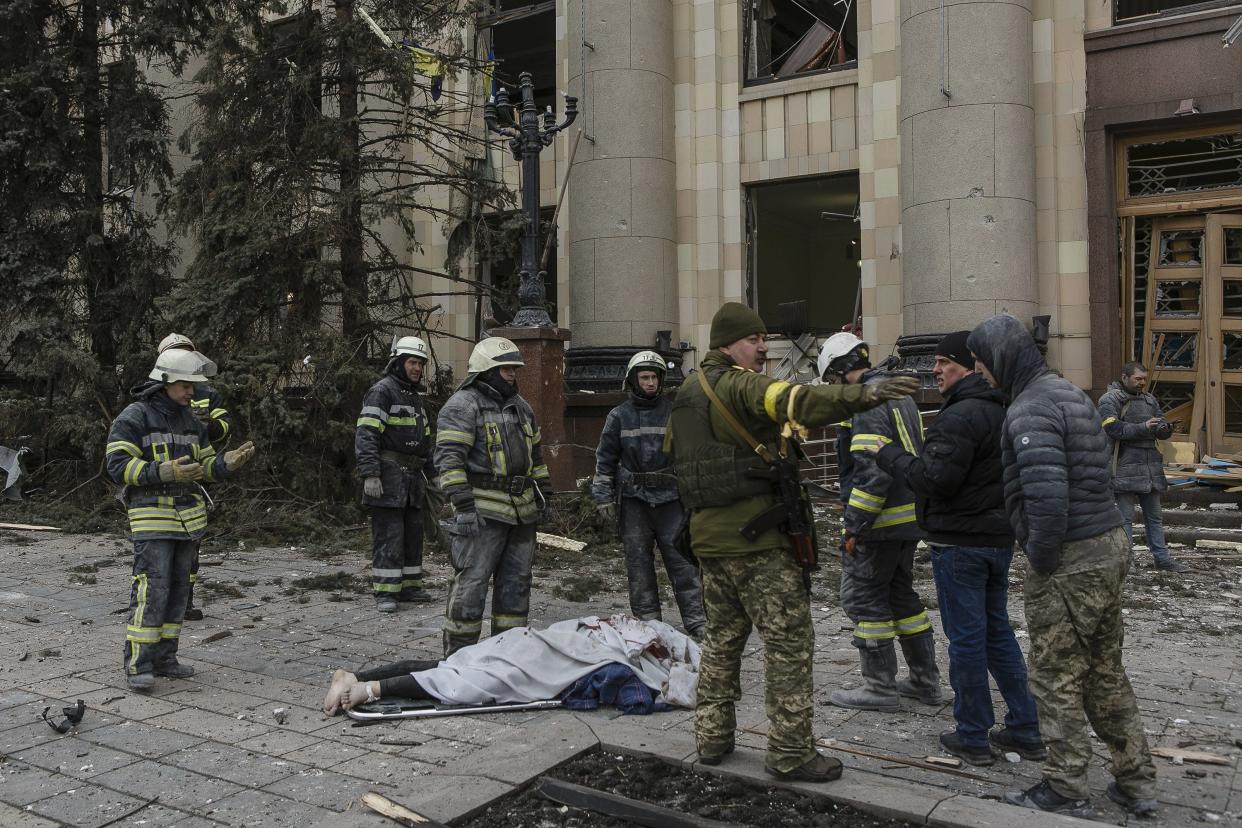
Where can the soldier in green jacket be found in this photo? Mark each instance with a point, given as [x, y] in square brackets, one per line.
[753, 582]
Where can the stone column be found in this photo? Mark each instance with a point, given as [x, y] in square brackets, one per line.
[622, 189]
[967, 168]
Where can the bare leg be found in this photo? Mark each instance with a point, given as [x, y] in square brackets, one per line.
[341, 681]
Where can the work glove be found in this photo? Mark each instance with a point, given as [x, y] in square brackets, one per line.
[373, 487]
[849, 543]
[468, 523]
[890, 388]
[239, 456]
[607, 511]
[181, 470]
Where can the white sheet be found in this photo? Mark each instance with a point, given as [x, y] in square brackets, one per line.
[522, 664]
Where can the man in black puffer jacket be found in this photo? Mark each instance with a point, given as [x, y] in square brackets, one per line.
[1060, 503]
[961, 506]
[1134, 422]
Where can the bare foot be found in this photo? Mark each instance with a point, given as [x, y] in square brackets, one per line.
[355, 695]
[341, 680]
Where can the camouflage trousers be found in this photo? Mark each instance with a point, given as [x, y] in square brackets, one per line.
[765, 590]
[1074, 617]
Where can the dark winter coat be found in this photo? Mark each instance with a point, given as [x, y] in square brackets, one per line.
[878, 505]
[956, 478]
[394, 442]
[1056, 456]
[1136, 462]
[632, 443]
[152, 430]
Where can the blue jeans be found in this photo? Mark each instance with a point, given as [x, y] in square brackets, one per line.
[972, 583]
[1150, 501]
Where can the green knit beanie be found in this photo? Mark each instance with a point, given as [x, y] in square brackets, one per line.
[732, 322]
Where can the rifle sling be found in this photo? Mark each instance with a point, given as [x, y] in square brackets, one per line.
[738, 429]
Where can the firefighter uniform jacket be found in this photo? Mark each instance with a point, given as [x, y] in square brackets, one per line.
[209, 408]
[393, 442]
[878, 506]
[490, 448]
[630, 459]
[152, 430]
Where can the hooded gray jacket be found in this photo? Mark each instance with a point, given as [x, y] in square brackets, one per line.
[1136, 462]
[1054, 451]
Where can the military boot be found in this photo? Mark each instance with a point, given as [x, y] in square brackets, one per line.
[923, 684]
[879, 688]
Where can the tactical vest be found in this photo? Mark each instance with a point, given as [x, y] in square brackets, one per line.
[710, 472]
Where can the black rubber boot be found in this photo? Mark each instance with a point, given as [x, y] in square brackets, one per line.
[879, 688]
[923, 684]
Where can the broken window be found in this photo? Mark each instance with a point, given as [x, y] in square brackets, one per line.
[1142, 264]
[520, 36]
[803, 242]
[1184, 165]
[1233, 297]
[1176, 401]
[1127, 11]
[783, 38]
[1174, 350]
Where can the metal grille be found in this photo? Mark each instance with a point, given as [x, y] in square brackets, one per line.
[1211, 162]
[1142, 261]
[1177, 300]
[1173, 395]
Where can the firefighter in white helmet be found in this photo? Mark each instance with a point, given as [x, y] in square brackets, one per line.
[491, 468]
[393, 445]
[158, 451]
[208, 407]
[634, 485]
[880, 533]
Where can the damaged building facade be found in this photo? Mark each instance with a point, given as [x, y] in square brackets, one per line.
[912, 164]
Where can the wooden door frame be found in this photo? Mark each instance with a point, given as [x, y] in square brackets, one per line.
[1217, 325]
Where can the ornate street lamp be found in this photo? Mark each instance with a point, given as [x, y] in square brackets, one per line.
[526, 141]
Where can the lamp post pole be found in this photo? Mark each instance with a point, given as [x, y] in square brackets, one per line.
[526, 140]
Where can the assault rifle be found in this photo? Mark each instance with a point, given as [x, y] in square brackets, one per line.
[790, 514]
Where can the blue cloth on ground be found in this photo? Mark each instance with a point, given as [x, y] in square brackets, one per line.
[613, 684]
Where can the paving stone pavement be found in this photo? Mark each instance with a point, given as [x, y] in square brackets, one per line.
[209, 751]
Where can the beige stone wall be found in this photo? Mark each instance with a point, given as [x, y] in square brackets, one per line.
[1060, 86]
[727, 137]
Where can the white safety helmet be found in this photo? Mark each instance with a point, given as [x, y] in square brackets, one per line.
[644, 361]
[178, 365]
[176, 340]
[411, 346]
[493, 352]
[836, 347]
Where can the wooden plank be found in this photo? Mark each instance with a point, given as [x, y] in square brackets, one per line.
[29, 527]
[620, 807]
[396, 812]
[1200, 756]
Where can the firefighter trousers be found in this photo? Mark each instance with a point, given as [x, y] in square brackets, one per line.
[161, 584]
[644, 526]
[500, 555]
[396, 550]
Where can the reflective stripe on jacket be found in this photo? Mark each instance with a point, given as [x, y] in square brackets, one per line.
[393, 419]
[148, 432]
[480, 436]
[877, 504]
[209, 408]
[632, 441]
